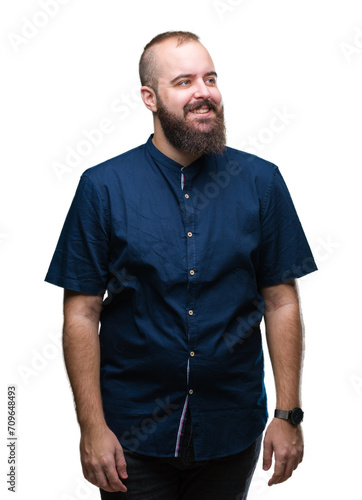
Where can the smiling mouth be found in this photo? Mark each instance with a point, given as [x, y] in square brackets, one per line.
[202, 108]
[201, 111]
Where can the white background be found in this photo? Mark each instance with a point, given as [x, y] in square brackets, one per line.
[63, 74]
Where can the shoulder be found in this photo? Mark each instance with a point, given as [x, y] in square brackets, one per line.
[252, 171]
[251, 164]
[109, 171]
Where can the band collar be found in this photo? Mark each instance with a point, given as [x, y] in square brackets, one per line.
[162, 159]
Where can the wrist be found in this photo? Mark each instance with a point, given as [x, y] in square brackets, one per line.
[294, 416]
[288, 403]
[91, 426]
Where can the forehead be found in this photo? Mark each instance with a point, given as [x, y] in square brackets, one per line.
[189, 58]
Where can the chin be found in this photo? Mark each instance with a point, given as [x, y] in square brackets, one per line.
[205, 126]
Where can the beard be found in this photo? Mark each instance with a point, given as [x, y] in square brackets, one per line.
[207, 135]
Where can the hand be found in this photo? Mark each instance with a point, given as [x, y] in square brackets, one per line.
[286, 441]
[102, 459]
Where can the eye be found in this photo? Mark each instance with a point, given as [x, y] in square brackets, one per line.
[183, 83]
[211, 81]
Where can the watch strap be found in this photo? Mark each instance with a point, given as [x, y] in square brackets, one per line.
[284, 414]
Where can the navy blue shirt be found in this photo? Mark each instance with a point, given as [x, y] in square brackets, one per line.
[182, 254]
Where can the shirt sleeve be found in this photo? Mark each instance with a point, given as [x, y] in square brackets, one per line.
[80, 260]
[284, 251]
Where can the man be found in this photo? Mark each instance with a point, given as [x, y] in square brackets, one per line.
[194, 243]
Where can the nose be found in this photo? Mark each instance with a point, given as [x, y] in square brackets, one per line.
[202, 90]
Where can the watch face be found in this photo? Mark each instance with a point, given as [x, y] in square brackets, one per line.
[296, 416]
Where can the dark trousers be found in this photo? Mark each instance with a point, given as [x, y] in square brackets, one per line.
[183, 478]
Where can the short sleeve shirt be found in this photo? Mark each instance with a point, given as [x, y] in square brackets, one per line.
[181, 255]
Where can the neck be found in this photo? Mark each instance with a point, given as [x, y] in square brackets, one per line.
[162, 144]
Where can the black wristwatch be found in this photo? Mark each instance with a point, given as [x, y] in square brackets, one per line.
[294, 416]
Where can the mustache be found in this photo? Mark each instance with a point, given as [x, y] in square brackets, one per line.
[200, 104]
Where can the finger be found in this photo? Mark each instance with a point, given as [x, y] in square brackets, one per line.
[301, 455]
[89, 474]
[288, 471]
[279, 470]
[267, 454]
[105, 476]
[290, 465]
[121, 464]
[97, 477]
[114, 482]
[298, 458]
[110, 468]
[297, 462]
[100, 480]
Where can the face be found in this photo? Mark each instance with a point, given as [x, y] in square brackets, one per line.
[189, 103]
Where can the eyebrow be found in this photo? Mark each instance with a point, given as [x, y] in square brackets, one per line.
[209, 73]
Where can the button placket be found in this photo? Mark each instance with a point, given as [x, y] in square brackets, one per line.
[191, 306]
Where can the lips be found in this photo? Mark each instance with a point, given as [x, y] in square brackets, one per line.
[201, 107]
[201, 111]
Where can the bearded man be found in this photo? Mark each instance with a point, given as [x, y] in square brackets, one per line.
[178, 249]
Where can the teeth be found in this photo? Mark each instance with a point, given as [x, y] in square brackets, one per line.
[201, 111]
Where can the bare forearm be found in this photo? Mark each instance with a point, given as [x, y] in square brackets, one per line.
[82, 360]
[81, 354]
[285, 338]
[285, 342]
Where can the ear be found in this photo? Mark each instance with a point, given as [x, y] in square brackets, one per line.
[149, 98]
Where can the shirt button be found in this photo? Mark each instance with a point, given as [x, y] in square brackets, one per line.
[192, 272]
[191, 312]
[187, 196]
[192, 354]
[191, 391]
[189, 234]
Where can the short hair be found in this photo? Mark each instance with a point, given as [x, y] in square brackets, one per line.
[147, 64]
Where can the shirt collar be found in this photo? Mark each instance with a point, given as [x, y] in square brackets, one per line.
[162, 159]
